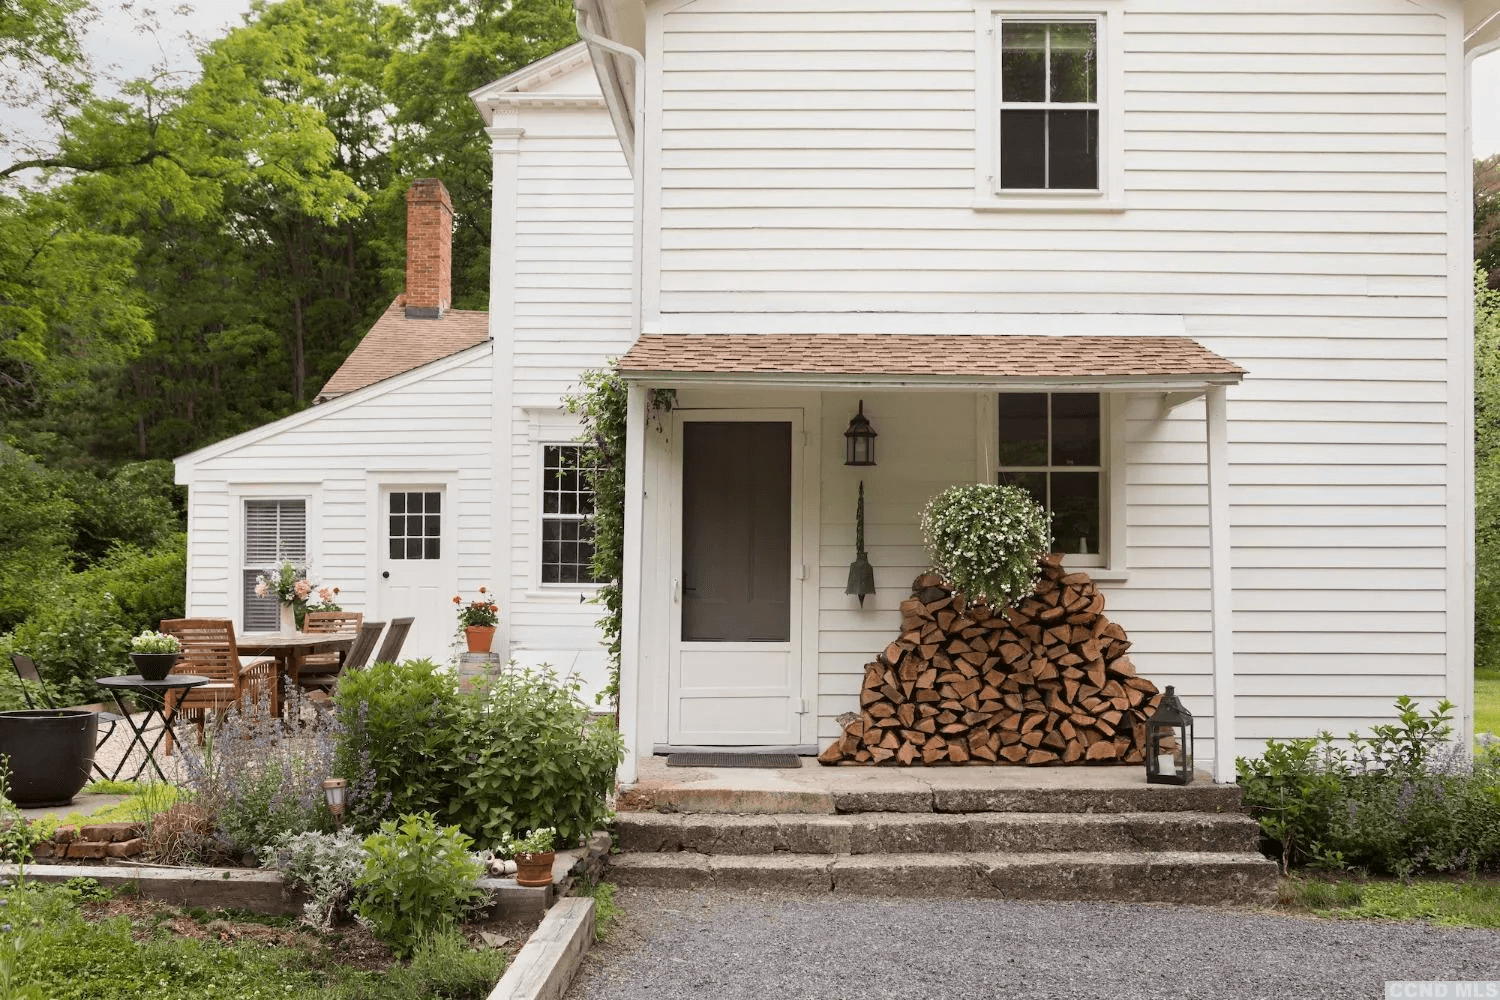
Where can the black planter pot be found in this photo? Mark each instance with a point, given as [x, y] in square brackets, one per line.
[154, 666]
[51, 753]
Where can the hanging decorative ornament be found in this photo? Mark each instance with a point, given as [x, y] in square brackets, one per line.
[861, 573]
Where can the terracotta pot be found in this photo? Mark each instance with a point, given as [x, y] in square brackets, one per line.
[479, 637]
[534, 870]
[154, 666]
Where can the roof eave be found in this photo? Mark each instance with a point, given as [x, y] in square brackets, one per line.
[968, 383]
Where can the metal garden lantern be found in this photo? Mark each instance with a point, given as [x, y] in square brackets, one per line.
[334, 790]
[859, 440]
[1169, 743]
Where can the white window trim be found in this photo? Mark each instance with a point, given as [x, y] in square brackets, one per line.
[549, 428]
[988, 196]
[1113, 407]
[239, 493]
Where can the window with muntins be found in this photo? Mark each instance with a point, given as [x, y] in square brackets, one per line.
[415, 524]
[1049, 105]
[567, 550]
[275, 532]
[1052, 445]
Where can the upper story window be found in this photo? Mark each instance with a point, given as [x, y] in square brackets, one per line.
[1049, 105]
[1049, 129]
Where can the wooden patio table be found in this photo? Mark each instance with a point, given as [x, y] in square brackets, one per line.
[289, 649]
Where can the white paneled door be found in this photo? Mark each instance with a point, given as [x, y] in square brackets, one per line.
[736, 660]
[416, 567]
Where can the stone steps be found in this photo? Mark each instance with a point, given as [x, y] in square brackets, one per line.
[1120, 876]
[927, 833]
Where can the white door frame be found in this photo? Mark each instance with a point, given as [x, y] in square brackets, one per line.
[803, 635]
[377, 482]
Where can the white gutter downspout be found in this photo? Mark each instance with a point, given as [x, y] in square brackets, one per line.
[632, 572]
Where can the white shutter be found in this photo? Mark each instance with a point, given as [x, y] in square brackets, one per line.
[275, 531]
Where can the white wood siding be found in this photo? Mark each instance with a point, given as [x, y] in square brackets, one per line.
[573, 205]
[329, 454]
[1289, 179]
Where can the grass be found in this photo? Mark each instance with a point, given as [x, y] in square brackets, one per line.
[1487, 701]
[606, 910]
[1474, 903]
[64, 955]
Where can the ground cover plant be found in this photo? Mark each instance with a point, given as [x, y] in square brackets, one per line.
[1452, 903]
[1402, 800]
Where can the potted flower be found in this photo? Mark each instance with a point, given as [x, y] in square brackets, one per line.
[477, 620]
[533, 856]
[154, 654]
[293, 589]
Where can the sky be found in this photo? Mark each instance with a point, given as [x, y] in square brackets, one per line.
[115, 41]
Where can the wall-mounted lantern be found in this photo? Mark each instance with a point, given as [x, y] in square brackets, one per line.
[859, 440]
[861, 574]
[1169, 743]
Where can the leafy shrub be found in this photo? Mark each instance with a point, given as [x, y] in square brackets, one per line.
[986, 540]
[325, 865]
[533, 758]
[400, 748]
[1399, 801]
[259, 777]
[419, 879]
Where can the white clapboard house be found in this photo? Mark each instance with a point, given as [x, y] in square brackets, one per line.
[1198, 275]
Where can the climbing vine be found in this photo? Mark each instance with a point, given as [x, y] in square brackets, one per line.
[602, 400]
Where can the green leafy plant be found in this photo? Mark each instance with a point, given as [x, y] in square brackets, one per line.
[985, 540]
[1292, 789]
[483, 612]
[419, 879]
[325, 865]
[606, 910]
[155, 642]
[538, 841]
[18, 836]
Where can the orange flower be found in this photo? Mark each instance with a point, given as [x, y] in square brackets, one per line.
[494, 607]
[457, 599]
[481, 590]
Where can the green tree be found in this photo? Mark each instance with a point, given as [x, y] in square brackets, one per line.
[1486, 473]
[1487, 217]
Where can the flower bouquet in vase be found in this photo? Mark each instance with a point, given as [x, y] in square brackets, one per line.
[293, 588]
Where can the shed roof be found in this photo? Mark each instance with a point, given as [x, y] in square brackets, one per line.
[396, 344]
[934, 359]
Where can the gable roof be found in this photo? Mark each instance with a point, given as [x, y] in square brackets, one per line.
[396, 344]
[533, 85]
[927, 359]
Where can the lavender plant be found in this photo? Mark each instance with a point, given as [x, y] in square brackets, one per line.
[259, 776]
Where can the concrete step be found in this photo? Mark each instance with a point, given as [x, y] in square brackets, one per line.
[1205, 878]
[921, 833]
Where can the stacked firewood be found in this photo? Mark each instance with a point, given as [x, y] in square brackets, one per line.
[1046, 681]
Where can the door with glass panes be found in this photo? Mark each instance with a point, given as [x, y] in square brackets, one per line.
[416, 566]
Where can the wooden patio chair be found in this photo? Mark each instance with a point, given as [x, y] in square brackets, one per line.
[321, 685]
[209, 650]
[322, 623]
[27, 671]
[394, 640]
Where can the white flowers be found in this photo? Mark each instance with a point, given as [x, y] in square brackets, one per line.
[985, 540]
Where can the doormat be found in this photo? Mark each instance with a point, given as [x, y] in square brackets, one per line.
[767, 760]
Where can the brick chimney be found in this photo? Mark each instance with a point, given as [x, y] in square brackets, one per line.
[429, 249]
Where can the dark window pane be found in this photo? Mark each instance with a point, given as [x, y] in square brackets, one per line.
[398, 503]
[1074, 64]
[586, 502]
[550, 573]
[1034, 483]
[569, 502]
[1023, 61]
[398, 549]
[1023, 429]
[414, 548]
[1075, 511]
[414, 503]
[549, 502]
[1073, 140]
[568, 574]
[1023, 149]
[414, 525]
[551, 552]
[431, 548]
[1075, 428]
[434, 503]
[398, 526]
[434, 525]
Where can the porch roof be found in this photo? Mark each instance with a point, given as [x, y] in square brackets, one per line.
[928, 360]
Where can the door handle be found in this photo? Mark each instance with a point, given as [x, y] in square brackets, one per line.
[386, 575]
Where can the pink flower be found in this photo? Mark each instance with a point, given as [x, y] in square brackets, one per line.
[302, 588]
[260, 589]
[325, 595]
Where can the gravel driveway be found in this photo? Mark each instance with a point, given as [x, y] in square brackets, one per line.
[678, 945]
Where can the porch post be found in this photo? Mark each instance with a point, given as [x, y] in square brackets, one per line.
[1220, 587]
[631, 578]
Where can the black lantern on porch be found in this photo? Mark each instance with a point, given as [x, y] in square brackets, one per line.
[859, 440]
[1169, 743]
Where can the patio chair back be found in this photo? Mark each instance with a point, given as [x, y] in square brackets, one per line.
[364, 645]
[332, 621]
[394, 640]
[27, 671]
[208, 649]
